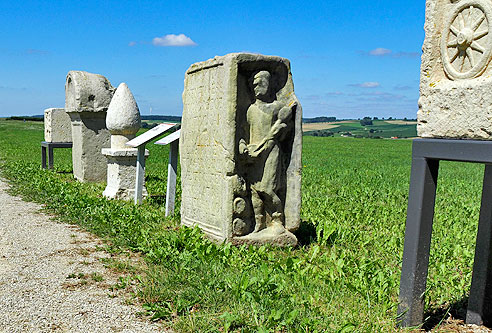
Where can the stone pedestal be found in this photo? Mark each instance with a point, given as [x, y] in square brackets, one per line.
[121, 173]
[87, 97]
[123, 121]
[57, 126]
[240, 147]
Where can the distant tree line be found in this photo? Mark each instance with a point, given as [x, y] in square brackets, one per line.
[319, 120]
[147, 125]
[27, 118]
[366, 121]
[163, 118]
[322, 133]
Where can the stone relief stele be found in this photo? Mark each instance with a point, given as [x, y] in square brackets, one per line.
[240, 144]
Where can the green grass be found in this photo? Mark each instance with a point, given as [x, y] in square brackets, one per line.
[343, 277]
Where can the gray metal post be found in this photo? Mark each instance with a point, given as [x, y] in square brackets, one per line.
[43, 157]
[172, 171]
[50, 156]
[479, 310]
[140, 174]
[420, 214]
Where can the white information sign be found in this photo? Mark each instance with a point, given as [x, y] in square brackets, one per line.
[168, 139]
[150, 135]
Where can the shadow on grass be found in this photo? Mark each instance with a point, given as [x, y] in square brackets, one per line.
[457, 311]
[156, 199]
[153, 178]
[306, 234]
[64, 172]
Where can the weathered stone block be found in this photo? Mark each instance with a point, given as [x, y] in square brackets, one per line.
[57, 126]
[87, 97]
[456, 75]
[240, 149]
[90, 136]
[87, 92]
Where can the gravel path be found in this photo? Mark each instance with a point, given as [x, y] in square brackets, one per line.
[52, 278]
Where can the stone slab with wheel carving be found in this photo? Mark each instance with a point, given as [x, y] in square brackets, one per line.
[240, 150]
[456, 74]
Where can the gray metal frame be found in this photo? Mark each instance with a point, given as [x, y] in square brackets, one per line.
[140, 176]
[172, 172]
[50, 146]
[426, 154]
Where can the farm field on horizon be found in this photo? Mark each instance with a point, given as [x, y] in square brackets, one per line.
[344, 275]
[394, 128]
[353, 128]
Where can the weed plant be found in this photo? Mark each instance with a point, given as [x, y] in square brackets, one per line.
[343, 277]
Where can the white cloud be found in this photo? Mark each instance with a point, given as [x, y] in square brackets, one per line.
[406, 55]
[403, 87]
[365, 85]
[36, 52]
[382, 52]
[379, 52]
[173, 40]
[132, 43]
[335, 93]
[370, 84]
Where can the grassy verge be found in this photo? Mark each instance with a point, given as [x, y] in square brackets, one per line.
[343, 277]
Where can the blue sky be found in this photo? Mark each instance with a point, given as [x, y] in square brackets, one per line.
[349, 59]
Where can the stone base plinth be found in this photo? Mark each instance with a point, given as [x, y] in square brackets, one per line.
[121, 167]
[275, 235]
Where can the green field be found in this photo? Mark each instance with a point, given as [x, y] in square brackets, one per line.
[343, 277]
[379, 129]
